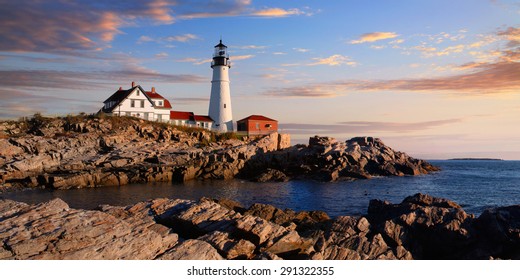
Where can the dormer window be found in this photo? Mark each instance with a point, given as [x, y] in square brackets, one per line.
[159, 103]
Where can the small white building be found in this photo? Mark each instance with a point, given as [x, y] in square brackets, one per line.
[137, 102]
[190, 119]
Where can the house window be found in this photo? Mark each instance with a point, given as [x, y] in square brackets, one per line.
[132, 103]
[159, 103]
[142, 103]
[224, 106]
[137, 93]
[128, 114]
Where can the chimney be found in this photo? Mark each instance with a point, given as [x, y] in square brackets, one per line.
[133, 84]
[153, 89]
[120, 88]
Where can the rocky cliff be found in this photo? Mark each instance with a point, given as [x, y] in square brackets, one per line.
[420, 227]
[87, 151]
[327, 159]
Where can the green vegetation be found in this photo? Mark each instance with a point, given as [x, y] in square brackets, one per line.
[228, 136]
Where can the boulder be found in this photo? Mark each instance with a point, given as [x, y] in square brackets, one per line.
[284, 141]
[500, 229]
[271, 175]
[428, 227]
[228, 247]
[192, 249]
[52, 230]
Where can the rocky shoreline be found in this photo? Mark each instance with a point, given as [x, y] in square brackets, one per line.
[91, 151]
[420, 227]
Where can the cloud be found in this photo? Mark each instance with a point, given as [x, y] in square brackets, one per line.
[161, 55]
[160, 11]
[188, 100]
[277, 12]
[498, 77]
[193, 9]
[195, 61]
[241, 57]
[17, 103]
[50, 79]
[361, 127]
[334, 60]
[487, 78]
[145, 39]
[301, 50]
[512, 34]
[310, 91]
[181, 38]
[450, 50]
[374, 36]
[64, 26]
[250, 47]
[377, 47]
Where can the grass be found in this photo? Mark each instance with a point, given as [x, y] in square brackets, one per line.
[37, 121]
[228, 136]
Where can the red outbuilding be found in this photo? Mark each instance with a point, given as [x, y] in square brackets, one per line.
[257, 125]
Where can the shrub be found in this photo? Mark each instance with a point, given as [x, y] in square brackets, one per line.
[228, 136]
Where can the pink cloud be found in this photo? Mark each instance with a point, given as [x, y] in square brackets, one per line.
[499, 76]
[277, 12]
[58, 26]
[374, 36]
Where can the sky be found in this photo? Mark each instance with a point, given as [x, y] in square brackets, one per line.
[436, 79]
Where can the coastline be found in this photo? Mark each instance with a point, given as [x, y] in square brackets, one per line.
[420, 227]
[91, 151]
[88, 151]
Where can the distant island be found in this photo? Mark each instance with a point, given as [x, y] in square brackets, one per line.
[475, 159]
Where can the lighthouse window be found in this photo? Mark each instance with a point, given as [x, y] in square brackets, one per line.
[224, 106]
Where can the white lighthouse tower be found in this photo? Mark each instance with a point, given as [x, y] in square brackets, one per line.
[220, 100]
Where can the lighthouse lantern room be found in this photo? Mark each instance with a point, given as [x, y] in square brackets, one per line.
[220, 100]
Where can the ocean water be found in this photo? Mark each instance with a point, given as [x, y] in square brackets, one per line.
[475, 185]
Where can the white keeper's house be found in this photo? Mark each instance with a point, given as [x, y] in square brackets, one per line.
[150, 105]
[136, 102]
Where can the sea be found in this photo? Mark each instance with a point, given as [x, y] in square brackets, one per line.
[474, 184]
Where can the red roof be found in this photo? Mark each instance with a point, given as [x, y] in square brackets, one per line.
[176, 115]
[167, 104]
[203, 119]
[257, 118]
[155, 95]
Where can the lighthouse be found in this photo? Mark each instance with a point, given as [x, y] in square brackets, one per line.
[220, 100]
